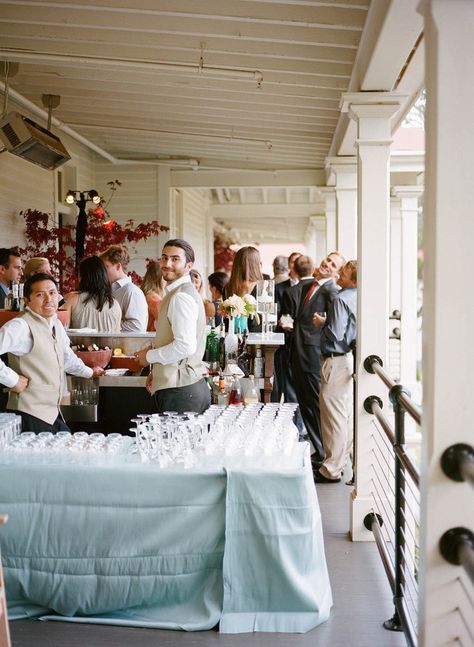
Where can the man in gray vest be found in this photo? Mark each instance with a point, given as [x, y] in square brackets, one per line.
[38, 355]
[176, 380]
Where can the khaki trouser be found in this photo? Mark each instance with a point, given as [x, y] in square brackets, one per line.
[336, 404]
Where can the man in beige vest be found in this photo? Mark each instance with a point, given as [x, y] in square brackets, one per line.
[176, 380]
[38, 355]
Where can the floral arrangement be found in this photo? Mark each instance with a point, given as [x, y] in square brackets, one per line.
[45, 237]
[235, 306]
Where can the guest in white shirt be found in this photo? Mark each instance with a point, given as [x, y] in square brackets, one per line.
[176, 380]
[39, 353]
[131, 299]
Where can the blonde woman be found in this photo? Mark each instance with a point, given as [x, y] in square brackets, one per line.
[153, 289]
[36, 265]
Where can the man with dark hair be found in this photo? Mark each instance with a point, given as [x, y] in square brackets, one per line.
[176, 380]
[10, 270]
[338, 334]
[131, 299]
[303, 269]
[305, 350]
[38, 353]
[185, 246]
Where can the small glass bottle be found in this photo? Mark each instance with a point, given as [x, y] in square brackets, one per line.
[21, 296]
[9, 298]
[258, 362]
[222, 356]
[236, 396]
[222, 393]
[15, 304]
[251, 392]
[211, 355]
[245, 358]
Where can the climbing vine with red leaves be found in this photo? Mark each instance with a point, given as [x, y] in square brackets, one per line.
[45, 238]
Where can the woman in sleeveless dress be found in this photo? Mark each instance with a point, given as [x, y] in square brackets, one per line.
[246, 271]
[93, 305]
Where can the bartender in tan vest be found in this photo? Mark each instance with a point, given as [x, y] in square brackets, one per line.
[176, 380]
[38, 355]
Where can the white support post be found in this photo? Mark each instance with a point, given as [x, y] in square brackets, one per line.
[345, 170]
[409, 196]
[373, 153]
[330, 209]
[395, 255]
[395, 281]
[448, 313]
[164, 215]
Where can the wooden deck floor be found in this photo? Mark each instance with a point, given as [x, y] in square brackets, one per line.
[362, 601]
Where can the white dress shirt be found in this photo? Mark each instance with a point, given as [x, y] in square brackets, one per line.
[16, 338]
[133, 304]
[182, 315]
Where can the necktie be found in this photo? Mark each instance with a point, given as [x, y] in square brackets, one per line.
[53, 332]
[309, 294]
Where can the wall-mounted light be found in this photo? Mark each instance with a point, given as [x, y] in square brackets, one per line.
[79, 196]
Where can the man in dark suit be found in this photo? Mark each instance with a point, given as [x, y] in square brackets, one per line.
[280, 372]
[10, 270]
[305, 353]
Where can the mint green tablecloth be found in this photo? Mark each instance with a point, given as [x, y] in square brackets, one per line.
[130, 544]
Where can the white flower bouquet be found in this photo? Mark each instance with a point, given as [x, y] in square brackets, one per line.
[235, 306]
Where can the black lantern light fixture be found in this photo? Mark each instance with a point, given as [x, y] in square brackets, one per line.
[81, 198]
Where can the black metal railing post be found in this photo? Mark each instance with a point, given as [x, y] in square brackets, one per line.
[402, 404]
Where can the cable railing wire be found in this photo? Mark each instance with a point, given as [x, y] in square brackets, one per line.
[405, 517]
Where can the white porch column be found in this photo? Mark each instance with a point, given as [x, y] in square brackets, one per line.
[409, 196]
[330, 208]
[164, 215]
[373, 117]
[448, 312]
[395, 255]
[395, 287]
[345, 170]
[315, 238]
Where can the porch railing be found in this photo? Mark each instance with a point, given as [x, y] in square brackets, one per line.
[395, 518]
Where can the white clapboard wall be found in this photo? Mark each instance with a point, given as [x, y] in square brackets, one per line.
[24, 185]
[195, 228]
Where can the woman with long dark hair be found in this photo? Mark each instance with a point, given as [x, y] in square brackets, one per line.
[93, 305]
[246, 271]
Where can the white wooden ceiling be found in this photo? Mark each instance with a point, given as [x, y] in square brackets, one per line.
[304, 51]
[266, 99]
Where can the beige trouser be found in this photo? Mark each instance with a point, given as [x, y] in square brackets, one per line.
[336, 402]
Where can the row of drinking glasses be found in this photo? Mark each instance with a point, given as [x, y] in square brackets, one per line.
[253, 430]
[10, 426]
[65, 441]
[169, 438]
